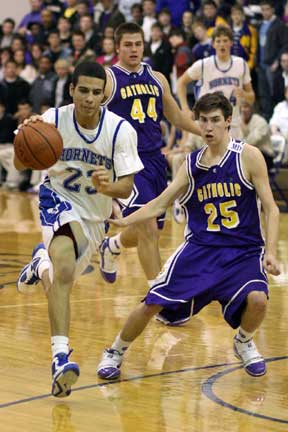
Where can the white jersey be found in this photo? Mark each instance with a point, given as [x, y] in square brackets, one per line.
[211, 76]
[112, 144]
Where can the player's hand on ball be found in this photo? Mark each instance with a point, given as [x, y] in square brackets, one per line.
[271, 265]
[100, 179]
[32, 119]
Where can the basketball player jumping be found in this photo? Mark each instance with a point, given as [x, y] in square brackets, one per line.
[222, 257]
[75, 200]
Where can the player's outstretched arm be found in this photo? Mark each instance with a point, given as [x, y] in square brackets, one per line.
[255, 167]
[159, 205]
[173, 113]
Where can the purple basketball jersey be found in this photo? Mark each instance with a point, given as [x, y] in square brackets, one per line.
[137, 96]
[221, 204]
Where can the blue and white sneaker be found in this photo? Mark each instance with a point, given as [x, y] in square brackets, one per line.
[108, 266]
[64, 375]
[29, 274]
[253, 362]
[109, 366]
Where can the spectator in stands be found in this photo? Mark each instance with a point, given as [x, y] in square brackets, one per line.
[125, 7]
[111, 16]
[6, 37]
[164, 18]
[245, 38]
[34, 33]
[42, 87]
[5, 55]
[273, 37]
[7, 127]
[33, 16]
[280, 79]
[60, 94]
[182, 53]
[177, 8]
[12, 88]
[137, 14]
[55, 50]
[203, 48]
[186, 27]
[26, 71]
[256, 131]
[82, 10]
[279, 119]
[36, 54]
[89, 29]
[149, 18]
[71, 10]
[64, 27]
[79, 50]
[160, 52]
[109, 56]
[48, 24]
[210, 16]
[19, 42]
[55, 6]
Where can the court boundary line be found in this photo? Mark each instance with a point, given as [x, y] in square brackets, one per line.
[124, 380]
[207, 390]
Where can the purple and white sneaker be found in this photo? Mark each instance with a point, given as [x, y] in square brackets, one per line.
[29, 274]
[64, 375]
[253, 362]
[108, 265]
[109, 366]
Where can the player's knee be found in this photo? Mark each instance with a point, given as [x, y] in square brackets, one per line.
[151, 309]
[64, 263]
[148, 231]
[257, 300]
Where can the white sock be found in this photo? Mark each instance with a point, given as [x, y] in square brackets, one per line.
[120, 345]
[243, 335]
[59, 344]
[115, 243]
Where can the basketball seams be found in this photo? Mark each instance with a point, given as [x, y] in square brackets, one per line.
[47, 141]
[30, 151]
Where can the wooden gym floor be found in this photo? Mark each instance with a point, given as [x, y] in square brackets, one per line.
[173, 379]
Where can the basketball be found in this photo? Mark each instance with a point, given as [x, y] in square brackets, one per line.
[38, 145]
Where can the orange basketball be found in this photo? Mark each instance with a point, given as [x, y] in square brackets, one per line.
[38, 145]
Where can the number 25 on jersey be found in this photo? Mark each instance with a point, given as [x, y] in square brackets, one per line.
[137, 112]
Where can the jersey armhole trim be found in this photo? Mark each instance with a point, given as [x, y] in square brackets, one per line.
[56, 117]
[113, 145]
[114, 88]
[191, 186]
[240, 171]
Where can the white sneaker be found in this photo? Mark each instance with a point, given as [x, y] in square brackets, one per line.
[253, 362]
[108, 264]
[109, 366]
[178, 213]
[29, 274]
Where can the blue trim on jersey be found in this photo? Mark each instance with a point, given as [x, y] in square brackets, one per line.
[223, 70]
[102, 114]
[113, 145]
[56, 117]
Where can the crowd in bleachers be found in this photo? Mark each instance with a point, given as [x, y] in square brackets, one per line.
[38, 55]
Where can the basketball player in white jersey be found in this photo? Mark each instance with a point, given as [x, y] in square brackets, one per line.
[75, 200]
[220, 72]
